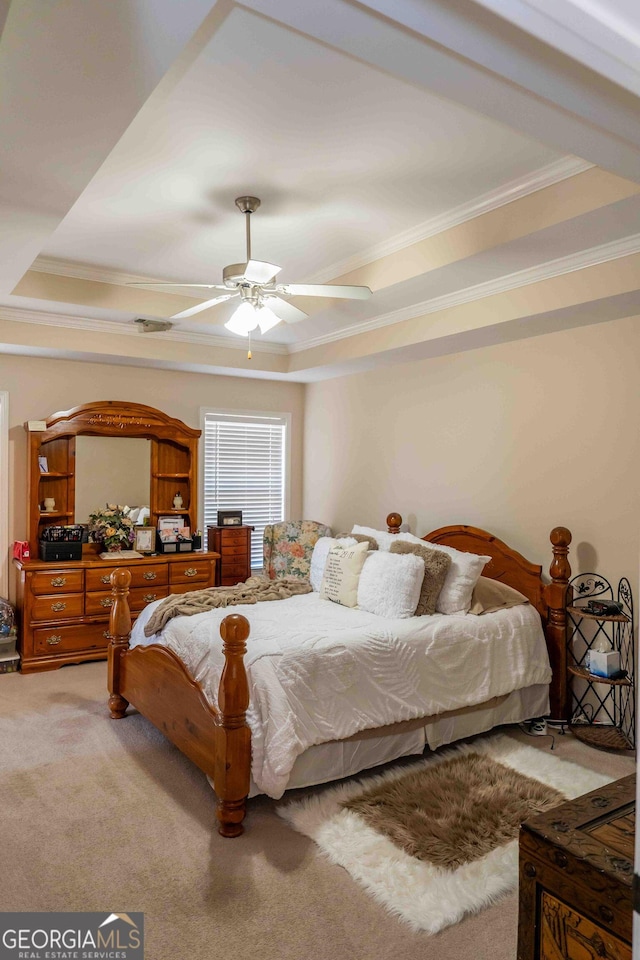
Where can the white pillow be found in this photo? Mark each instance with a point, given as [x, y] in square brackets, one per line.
[390, 584]
[382, 537]
[319, 557]
[342, 573]
[462, 576]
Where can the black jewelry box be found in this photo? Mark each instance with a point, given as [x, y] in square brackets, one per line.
[61, 550]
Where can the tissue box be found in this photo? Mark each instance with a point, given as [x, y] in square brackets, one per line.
[604, 664]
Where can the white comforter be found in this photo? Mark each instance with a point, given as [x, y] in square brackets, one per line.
[320, 671]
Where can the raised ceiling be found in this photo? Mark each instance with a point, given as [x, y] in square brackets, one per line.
[479, 181]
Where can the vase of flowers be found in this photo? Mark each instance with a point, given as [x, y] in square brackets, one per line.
[112, 526]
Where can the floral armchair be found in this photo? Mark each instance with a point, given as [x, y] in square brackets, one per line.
[287, 547]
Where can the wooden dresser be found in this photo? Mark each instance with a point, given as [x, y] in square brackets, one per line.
[576, 872]
[234, 546]
[63, 607]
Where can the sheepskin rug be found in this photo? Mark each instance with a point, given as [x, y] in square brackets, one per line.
[434, 840]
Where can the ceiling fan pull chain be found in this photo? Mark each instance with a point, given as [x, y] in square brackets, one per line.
[249, 350]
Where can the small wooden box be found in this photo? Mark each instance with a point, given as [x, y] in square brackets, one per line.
[576, 872]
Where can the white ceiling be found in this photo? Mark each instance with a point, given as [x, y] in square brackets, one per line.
[361, 137]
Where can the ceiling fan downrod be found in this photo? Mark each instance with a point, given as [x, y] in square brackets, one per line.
[248, 205]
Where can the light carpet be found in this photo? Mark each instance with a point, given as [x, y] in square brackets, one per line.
[428, 896]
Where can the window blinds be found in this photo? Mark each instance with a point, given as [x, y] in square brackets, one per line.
[244, 469]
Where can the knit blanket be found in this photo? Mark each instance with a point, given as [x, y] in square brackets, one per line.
[253, 590]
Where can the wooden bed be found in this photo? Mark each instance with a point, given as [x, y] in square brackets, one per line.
[218, 740]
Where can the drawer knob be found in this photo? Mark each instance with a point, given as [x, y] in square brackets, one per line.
[106, 635]
[58, 581]
[54, 639]
[106, 578]
[606, 913]
[106, 602]
[190, 572]
[149, 597]
[57, 607]
[149, 575]
[560, 858]
[529, 870]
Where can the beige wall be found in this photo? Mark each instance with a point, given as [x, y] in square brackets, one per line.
[38, 388]
[515, 438]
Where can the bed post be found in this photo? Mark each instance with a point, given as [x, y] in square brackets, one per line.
[232, 766]
[556, 598]
[120, 631]
[394, 522]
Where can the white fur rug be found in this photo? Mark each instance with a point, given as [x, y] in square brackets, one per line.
[427, 897]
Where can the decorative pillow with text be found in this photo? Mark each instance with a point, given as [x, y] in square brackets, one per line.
[342, 573]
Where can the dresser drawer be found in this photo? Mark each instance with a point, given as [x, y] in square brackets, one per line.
[153, 574]
[234, 550]
[46, 583]
[56, 640]
[100, 603]
[191, 571]
[234, 537]
[61, 607]
[237, 566]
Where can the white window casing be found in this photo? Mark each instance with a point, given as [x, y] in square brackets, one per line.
[245, 466]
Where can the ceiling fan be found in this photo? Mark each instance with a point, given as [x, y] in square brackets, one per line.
[261, 304]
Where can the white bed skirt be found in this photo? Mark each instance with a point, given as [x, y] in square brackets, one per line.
[332, 761]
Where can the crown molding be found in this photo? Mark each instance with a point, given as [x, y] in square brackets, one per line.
[129, 330]
[553, 268]
[545, 271]
[543, 177]
[513, 190]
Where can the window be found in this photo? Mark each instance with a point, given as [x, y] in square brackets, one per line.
[245, 467]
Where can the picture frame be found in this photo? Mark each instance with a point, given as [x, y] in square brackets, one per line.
[145, 539]
[43, 464]
[229, 518]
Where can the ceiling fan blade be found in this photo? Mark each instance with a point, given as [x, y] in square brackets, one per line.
[323, 290]
[162, 283]
[286, 311]
[202, 306]
[258, 271]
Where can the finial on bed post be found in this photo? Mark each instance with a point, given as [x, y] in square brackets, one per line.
[556, 597]
[233, 737]
[394, 522]
[119, 633]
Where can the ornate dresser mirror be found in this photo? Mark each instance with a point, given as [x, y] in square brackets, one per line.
[57, 475]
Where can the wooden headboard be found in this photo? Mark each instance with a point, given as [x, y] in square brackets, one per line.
[510, 567]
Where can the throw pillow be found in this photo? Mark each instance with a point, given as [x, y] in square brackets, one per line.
[390, 584]
[491, 595]
[342, 573]
[319, 557]
[462, 576]
[382, 537]
[360, 538]
[436, 566]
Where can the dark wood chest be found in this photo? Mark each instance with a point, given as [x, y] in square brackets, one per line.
[234, 546]
[576, 872]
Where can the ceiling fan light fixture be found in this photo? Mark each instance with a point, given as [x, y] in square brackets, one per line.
[244, 320]
[267, 319]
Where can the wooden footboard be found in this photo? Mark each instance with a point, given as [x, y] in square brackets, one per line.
[155, 682]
